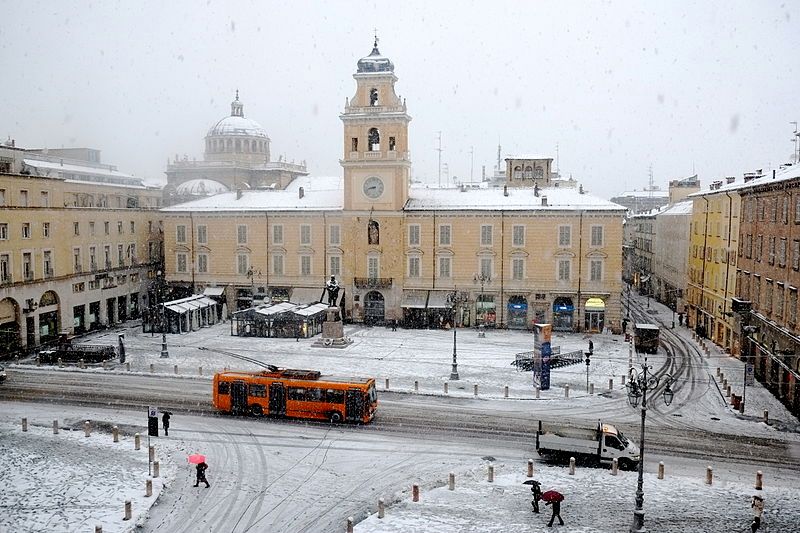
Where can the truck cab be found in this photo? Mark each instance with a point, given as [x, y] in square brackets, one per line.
[614, 445]
[602, 444]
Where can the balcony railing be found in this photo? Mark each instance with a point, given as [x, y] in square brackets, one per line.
[372, 283]
[48, 273]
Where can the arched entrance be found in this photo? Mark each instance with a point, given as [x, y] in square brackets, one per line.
[594, 311]
[374, 308]
[48, 317]
[10, 340]
[517, 312]
[563, 309]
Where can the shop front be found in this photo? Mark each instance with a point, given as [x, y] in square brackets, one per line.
[485, 311]
[594, 313]
[517, 312]
[374, 308]
[563, 311]
[414, 304]
[48, 317]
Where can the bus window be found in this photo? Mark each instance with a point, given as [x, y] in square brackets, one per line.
[224, 387]
[315, 395]
[259, 391]
[334, 396]
[297, 394]
[373, 396]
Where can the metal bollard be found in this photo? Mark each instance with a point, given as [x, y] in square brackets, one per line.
[87, 428]
[505, 391]
[661, 470]
[445, 387]
[55, 427]
[137, 442]
[491, 473]
[127, 367]
[60, 363]
[416, 386]
[175, 368]
[151, 453]
[759, 480]
[200, 371]
[105, 365]
[80, 364]
[728, 391]
[611, 384]
[24, 424]
[98, 529]
[349, 524]
[591, 388]
[152, 368]
[381, 507]
[451, 481]
[414, 492]
[566, 391]
[115, 433]
[614, 466]
[127, 510]
[530, 467]
[709, 475]
[387, 384]
[718, 370]
[156, 469]
[475, 389]
[538, 392]
[38, 361]
[623, 380]
[724, 383]
[766, 417]
[148, 488]
[571, 466]
[722, 376]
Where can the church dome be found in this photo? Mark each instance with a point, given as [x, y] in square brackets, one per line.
[201, 187]
[375, 62]
[236, 124]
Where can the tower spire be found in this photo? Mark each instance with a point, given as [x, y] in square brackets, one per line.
[237, 109]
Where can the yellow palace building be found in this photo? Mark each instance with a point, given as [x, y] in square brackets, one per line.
[527, 251]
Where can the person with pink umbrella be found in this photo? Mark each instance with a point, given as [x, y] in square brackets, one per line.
[200, 461]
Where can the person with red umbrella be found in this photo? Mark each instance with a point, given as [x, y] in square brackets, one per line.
[552, 497]
[200, 461]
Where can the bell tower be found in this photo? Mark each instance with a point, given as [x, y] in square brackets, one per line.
[376, 161]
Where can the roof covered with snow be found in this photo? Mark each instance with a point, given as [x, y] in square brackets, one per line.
[784, 173]
[681, 208]
[326, 193]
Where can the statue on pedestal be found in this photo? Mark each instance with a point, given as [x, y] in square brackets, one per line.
[332, 288]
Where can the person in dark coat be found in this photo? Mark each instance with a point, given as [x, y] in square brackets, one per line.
[165, 421]
[556, 513]
[201, 474]
[536, 489]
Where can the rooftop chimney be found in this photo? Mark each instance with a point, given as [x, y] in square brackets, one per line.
[730, 179]
[580, 189]
[301, 192]
[544, 200]
[773, 173]
[505, 190]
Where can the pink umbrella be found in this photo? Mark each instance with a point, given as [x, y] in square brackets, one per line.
[197, 458]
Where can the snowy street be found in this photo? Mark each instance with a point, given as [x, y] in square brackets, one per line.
[293, 476]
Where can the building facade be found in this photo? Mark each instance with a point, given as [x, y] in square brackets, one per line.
[769, 277]
[671, 254]
[505, 256]
[643, 232]
[714, 242]
[78, 243]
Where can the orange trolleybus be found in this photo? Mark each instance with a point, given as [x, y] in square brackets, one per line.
[297, 394]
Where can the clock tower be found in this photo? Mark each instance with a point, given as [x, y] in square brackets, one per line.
[376, 161]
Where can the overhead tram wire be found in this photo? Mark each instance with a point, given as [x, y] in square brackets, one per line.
[271, 368]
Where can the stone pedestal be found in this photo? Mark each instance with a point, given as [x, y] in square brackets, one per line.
[333, 331]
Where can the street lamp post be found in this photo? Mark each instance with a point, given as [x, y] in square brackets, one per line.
[163, 317]
[455, 298]
[640, 382]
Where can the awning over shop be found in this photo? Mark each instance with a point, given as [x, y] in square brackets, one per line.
[595, 304]
[190, 303]
[438, 300]
[414, 299]
[213, 291]
[312, 309]
[276, 308]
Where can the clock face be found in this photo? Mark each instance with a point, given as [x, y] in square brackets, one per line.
[373, 187]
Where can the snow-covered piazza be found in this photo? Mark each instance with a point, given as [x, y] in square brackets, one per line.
[281, 475]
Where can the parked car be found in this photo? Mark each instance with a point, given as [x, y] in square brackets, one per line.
[3, 374]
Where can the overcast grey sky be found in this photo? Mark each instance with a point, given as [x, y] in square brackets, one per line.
[618, 86]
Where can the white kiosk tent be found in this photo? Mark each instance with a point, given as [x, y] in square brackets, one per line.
[189, 314]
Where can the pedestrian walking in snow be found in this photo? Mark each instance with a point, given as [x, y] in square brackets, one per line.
[536, 489]
[556, 512]
[757, 503]
[201, 474]
[591, 347]
[165, 421]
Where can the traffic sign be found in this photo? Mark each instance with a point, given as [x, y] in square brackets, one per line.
[749, 375]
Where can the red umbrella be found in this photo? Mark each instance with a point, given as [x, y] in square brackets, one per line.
[197, 458]
[552, 496]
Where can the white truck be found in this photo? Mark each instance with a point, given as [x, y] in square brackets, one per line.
[602, 444]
